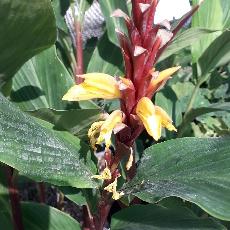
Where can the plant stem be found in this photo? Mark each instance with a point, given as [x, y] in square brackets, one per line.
[88, 223]
[14, 199]
[79, 52]
[42, 192]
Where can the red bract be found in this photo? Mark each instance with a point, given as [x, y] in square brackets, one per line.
[143, 46]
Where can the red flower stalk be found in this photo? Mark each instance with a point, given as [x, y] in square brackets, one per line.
[141, 49]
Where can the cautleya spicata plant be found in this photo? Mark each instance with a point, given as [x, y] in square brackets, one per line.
[134, 142]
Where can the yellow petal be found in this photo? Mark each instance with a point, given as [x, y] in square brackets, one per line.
[117, 195]
[106, 175]
[152, 122]
[109, 124]
[95, 85]
[112, 187]
[162, 77]
[130, 160]
[93, 131]
[166, 121]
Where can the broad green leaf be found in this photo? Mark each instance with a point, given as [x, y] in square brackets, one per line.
[41, 217]
[112, 23]
[42, 82]
[185, 39]
[153, 217]
[194, 169]
[74, 194]
[41, 153]
[211, 16]
[44, 217]
[106, 58]
[71, 120]
[27, 28]
[5, 220]
[217, 54]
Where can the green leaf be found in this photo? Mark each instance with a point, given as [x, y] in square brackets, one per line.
[41, 217]
[60, 7]
[185, 39]
[39, 152]
[27, 28]
[153, 217]
[71, 120]
[217, 54]
[106, 58]
[213, 15]
[112, 23]
[74, 194]
[194, 169]
[208, 109]
[41, 82]
[184, 91]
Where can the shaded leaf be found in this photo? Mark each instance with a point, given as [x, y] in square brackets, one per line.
[71, 120]
[74, 195]
[153, 217]
[27, 27]
[106, 58]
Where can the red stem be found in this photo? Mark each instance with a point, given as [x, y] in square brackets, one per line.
[42, 192]
[79, 53]
[14, 199]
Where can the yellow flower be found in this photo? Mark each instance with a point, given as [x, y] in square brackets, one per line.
[153, 117]
[161, 78]
[106, 175]
[95, 85]
[105, 128]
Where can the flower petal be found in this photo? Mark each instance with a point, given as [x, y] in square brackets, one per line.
[95, 85]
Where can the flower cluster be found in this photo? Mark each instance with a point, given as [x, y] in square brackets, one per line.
[141, 49]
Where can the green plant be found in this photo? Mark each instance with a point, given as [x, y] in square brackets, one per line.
[55, 119]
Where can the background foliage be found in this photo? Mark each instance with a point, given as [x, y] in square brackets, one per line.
[44, 138]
